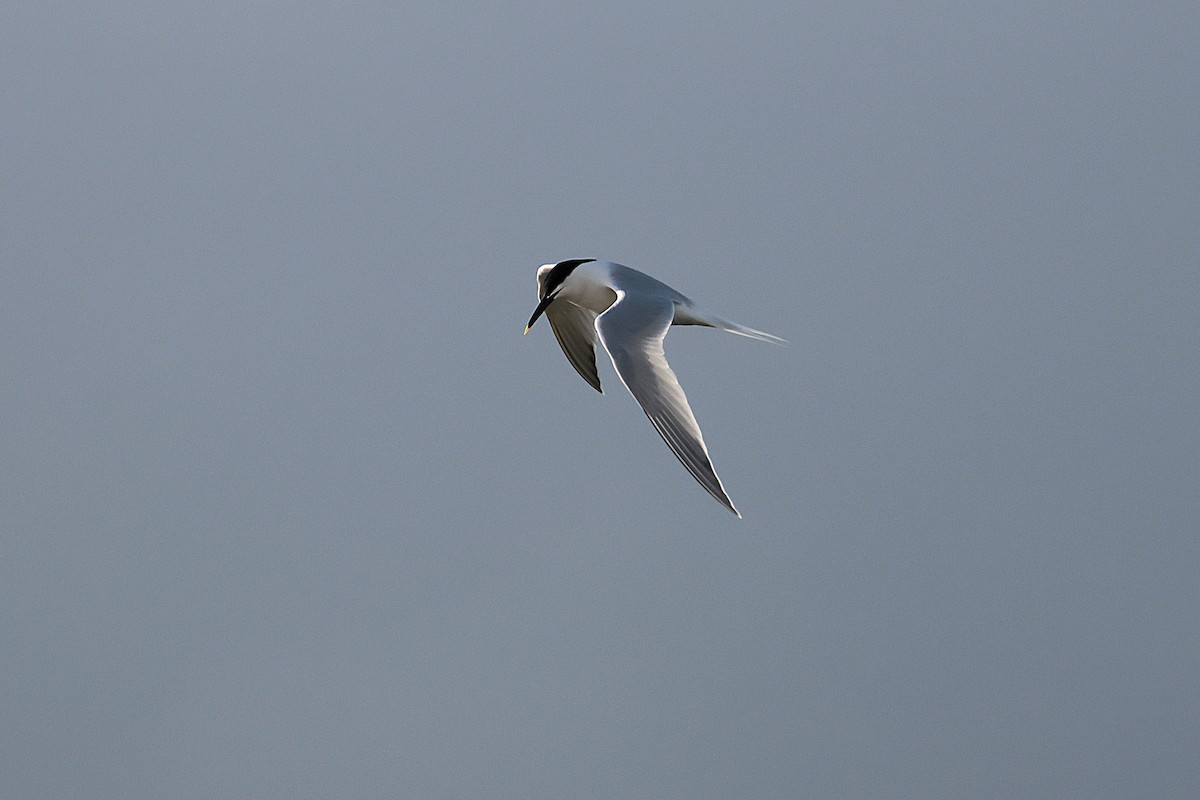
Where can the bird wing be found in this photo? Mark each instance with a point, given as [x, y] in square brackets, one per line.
[632, 331]
[574, 327]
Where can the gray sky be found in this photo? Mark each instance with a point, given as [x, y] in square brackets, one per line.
[290, 508]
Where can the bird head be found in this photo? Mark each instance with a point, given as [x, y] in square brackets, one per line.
[550, 279]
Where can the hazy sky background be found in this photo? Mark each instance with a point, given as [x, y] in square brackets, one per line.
[291, 509]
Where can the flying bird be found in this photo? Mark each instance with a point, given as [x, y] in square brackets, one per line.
[631, 313]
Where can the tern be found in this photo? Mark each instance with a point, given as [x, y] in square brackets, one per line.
[631, 313]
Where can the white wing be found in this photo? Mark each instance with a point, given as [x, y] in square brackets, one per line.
[632, 331]
[574, 327]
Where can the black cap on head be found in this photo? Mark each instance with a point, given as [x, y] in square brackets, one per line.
[558, 273]
[549, 284]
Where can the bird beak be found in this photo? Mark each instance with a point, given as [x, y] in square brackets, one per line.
[537, 312]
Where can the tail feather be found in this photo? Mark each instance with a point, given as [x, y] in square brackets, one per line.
[750, 333]
[687, 313]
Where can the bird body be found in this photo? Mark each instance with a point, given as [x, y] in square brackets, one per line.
[629, 312]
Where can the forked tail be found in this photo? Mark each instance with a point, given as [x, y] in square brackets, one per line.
[742, 330]
[686, 313]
